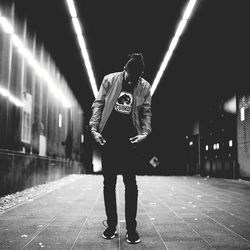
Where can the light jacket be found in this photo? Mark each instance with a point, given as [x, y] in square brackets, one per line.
[107, 96]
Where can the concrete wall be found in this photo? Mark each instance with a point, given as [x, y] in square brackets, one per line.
[19, 171]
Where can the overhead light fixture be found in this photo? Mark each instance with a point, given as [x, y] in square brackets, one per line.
[60, 120]
[82, 45]
[189, 9]
[180, 28]
[71, 7]
[77, 26]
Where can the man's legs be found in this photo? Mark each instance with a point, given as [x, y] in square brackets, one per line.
[109, 185]
[131, 197]
[109, 192]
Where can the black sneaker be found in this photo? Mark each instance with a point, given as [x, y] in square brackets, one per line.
[133, 237]
[109, 233]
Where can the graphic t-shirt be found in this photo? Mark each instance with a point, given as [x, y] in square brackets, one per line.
[119, 124]
[124, 103]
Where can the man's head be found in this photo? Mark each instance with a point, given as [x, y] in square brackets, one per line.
[134, 67]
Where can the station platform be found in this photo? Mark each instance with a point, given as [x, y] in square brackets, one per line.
[174, 212]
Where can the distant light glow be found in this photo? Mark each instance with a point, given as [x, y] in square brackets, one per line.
[82, 138]
[60, 120]
[230, 143]
[4, 92]
[230, 105]
[180, 28]
[82, 45]
[242, 114]
[206, 147]
[190, 143]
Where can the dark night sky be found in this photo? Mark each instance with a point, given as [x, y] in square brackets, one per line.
[211, 59]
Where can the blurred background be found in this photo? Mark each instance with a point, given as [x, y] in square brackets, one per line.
[54, 55]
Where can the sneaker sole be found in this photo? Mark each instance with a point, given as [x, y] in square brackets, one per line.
[109, 238]
[134, 242]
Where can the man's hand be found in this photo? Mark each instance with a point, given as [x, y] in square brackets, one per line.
[98, 138]
[138, 138]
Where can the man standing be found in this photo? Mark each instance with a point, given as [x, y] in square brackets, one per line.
[120, 121]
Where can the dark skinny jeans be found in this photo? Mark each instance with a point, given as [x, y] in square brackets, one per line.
[119, 158]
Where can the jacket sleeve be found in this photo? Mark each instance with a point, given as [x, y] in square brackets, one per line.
[146, 114]
[98, 105]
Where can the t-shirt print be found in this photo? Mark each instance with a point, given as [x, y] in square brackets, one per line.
[124, 103]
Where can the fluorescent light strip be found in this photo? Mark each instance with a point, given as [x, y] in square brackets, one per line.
[180, 28]
[71, 7]
[82, 45]
[189, 9]
[27, 54]
[77, 26]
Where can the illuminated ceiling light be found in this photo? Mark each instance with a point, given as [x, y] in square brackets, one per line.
[71, 7]
[189, 9]
[160, 71]
[173, 44]
[82, 45]
[87, 64]
[77, 26]
[180, 28]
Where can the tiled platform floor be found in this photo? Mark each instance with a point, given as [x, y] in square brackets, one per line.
[173, 213]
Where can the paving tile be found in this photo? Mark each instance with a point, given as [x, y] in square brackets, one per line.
[174, 212]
